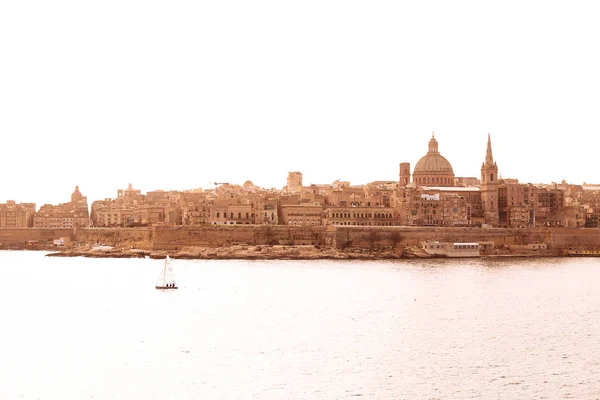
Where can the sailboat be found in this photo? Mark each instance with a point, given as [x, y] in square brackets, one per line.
[166, 280]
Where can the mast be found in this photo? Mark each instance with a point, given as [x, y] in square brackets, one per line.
[165, 271]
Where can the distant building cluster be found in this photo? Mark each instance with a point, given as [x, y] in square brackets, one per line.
[430, 195]
[74, 214]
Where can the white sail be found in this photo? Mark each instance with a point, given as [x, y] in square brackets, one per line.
[166, 278]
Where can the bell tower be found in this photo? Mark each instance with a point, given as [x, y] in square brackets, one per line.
[404, 173]
[489, 187]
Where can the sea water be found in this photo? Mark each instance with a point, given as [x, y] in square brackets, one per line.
[81, 328]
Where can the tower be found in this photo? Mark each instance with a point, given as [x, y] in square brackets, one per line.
[294, 182]
[489, 187]
[404, 173]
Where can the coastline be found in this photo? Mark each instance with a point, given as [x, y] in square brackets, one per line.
[283, 252]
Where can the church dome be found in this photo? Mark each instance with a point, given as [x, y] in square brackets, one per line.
[433, 161]
[76, 195]
[433, 168]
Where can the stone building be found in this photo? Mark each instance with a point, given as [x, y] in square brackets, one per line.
[74, 214]
[303, 214]
[129, 197]
[359, 216]
[380, 193]
[424, 206]
[550, 207]
[13, 215]
[195, 209]
[234, 210]
[106, 214]
[132, 208]
[123, 211]
[516, 205]
[345, 196]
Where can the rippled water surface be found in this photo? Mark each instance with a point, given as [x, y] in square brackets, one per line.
[77, 328]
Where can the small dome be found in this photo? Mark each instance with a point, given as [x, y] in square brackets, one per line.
[248, 185]
[76, 194]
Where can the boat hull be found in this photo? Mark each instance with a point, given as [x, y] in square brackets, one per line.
[463, 255]
[165, 288]
[451, 250]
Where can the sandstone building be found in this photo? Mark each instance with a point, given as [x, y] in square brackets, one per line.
[74, 214]
[13, 215]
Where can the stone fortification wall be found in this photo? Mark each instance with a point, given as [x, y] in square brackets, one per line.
[117, 237]
[20, 236]
[175, 238]
[172, 238]
[178, 237]
[587, 239]
[555, 238]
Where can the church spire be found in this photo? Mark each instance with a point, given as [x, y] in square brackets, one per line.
[489, 158]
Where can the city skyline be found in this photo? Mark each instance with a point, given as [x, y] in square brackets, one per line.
[335, 90]
[280, 187]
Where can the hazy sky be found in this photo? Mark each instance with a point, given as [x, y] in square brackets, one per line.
[179, 94]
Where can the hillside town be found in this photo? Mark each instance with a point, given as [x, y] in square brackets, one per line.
[429, 195]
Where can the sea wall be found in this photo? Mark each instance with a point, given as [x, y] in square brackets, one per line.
[174, 238]
[178, 237]
[139, 238]
[366, 237]
[31, 237]
[555, 238]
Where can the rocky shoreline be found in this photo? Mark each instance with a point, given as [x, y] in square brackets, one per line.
[276, 252]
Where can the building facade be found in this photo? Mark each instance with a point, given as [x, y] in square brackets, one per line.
[74, 214]
[13, 215]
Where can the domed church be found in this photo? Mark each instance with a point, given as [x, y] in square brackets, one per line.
[433, 169]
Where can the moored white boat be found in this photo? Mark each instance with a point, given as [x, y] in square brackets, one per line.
[450, 249]
[101, 247]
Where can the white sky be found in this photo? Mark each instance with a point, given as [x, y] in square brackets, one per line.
[174, 95]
